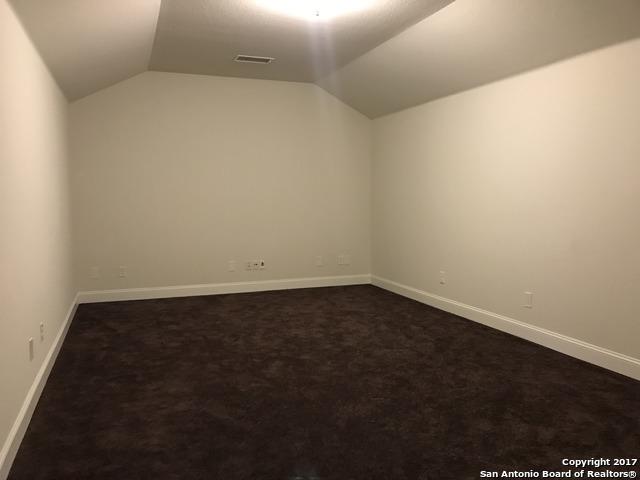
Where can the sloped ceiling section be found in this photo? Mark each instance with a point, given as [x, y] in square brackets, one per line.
[91, 44]
[394, 55]
[473, 42]
[204, 36]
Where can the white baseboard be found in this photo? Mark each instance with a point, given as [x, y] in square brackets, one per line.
[602, 357]
[219, 288]
[16, 434]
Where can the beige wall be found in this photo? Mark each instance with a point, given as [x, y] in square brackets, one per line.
[35, 266]
[175, 175]
[528, 184]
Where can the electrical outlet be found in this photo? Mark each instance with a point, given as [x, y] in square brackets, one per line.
[122, 271]
[344, 259]
[528, 300]
[31, 351]
[253, 265]
[319, 261]
[231, 266]
[443, 277]
[41, 331]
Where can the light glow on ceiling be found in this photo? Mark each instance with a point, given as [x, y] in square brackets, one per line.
[315, 9]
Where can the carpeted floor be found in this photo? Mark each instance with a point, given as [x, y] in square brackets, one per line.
[330, 383]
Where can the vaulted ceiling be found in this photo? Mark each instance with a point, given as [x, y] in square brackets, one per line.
[474, 42]
[204, 36]
[392, 55]
[91, 44]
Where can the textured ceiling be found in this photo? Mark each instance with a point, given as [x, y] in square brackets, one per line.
[397, 54]
[91, 44]
[204, 36]
[473, 42]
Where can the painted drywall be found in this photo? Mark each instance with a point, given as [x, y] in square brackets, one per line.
[528, 184]
[469, 43]
[35, 238]
[89, 45]
[175, 175]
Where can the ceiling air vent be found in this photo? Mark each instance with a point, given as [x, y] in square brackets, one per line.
[253, 59]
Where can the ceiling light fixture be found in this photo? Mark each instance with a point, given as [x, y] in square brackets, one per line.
[315, 9]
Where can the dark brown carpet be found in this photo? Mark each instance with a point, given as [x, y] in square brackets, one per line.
[330, 383]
